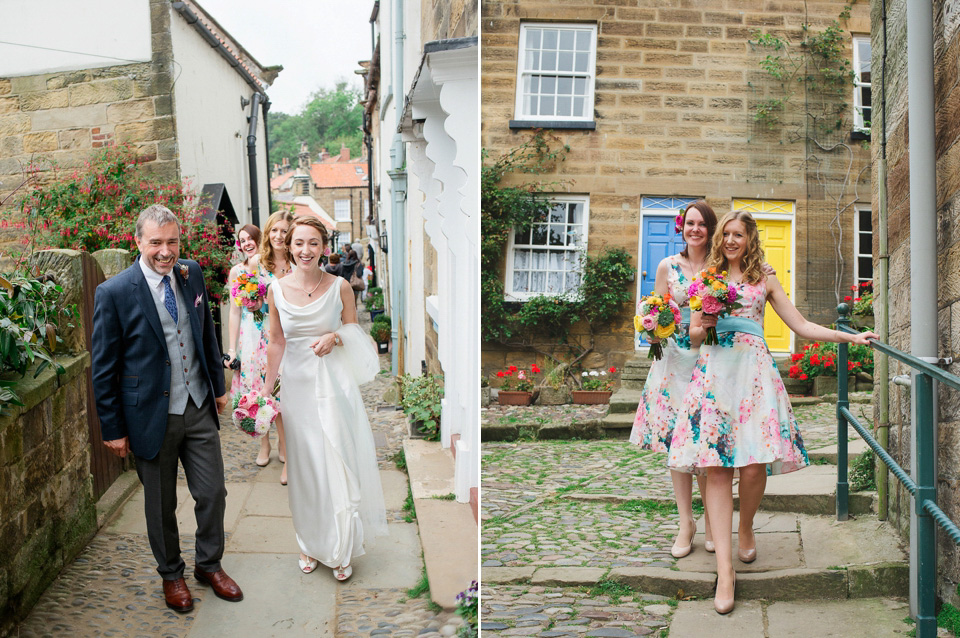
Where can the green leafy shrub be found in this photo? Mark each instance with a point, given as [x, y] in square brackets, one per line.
[30, 316]
[97, 207]
[420, 399]
[380, 332]
[374, 299]
[862, 475]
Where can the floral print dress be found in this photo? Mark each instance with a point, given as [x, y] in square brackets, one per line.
[252, 345]
[668, 378]
[736, 411]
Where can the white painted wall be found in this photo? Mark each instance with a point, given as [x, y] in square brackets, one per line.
[211, 125]
[86, 35]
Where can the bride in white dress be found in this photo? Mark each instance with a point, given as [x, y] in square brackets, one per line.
[335, 493]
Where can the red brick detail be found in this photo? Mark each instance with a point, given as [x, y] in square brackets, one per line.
[96, 130]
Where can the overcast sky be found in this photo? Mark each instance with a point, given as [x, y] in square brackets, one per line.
[318, 42]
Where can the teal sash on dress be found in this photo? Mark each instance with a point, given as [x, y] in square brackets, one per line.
[739, 324]
[685, 315]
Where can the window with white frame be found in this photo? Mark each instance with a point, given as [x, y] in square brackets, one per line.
[544, 259]
[555, 72]
[861, 84]
[341, 210]
[863, 246]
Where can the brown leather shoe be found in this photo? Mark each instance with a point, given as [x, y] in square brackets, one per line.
[223, 586]
[177, 595]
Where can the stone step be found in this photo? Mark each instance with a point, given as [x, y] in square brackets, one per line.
[855, 447]
[810, 491]
[617, 425]
[799, 557]
[625, 400]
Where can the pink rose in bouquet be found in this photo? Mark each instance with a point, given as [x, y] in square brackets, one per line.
[253, 414]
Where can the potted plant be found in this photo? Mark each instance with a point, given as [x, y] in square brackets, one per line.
[818, 362]
[421, 401]
[380, 331]
[596, 386]
[516, 385]
[374, 302]
[862, 305]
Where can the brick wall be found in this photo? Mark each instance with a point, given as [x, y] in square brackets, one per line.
[676, 88]
[445, 19]
[63, 117]
[327, 197]
[947, 95]
[46, 491]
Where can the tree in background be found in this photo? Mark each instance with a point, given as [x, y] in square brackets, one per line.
[330, 119]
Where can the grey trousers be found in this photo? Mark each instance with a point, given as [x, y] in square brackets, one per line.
[193, 439]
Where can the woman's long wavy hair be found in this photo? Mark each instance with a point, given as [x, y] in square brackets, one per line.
[267, 255]
[710, 217]
[753, 256]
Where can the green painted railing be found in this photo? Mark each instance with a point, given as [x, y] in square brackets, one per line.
[924, 488]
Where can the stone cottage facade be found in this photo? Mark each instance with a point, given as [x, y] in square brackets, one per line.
[660, 106]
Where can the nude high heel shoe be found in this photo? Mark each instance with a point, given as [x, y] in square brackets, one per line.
[726, 605]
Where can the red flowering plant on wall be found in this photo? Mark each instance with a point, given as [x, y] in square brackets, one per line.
[96, 207]
[515, 379]
[821, 359]
[861, 296]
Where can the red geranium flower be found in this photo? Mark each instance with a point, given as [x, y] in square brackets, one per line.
[815, 359]
[803, 377]
[796, 357]
[512, 368]
[535, 369]
[612, 370]
[500, 373]
[848, 298]
[853, 288]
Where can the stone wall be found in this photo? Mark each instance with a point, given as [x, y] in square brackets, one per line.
[47, 510]
[947, 96]
[676, 92]
[61, 118]
[445, 19]
[357, 195]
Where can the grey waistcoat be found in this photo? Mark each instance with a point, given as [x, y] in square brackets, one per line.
[186, 378]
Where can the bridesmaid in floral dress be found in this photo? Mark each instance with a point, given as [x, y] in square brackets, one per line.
[247, 335]
[735, 414]
[667, 379]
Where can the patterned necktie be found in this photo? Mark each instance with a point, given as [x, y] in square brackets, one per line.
[169, 301]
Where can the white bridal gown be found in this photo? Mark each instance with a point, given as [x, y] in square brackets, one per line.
[332, 473]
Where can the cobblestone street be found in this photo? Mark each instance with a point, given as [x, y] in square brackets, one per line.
[112, 588]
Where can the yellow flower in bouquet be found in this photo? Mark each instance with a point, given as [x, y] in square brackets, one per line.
[695, 303]
[662, 332]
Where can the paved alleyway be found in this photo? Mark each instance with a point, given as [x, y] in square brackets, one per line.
[112, 589]
[576, 539]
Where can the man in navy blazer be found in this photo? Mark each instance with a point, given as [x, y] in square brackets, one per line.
[159, 387]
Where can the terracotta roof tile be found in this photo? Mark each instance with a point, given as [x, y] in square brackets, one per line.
[303, 209]
[336, 175]
[278, 181]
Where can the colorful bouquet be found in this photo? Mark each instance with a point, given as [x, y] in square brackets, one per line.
[657, 318]
[249, 292]
[253, 414]
[714, 295]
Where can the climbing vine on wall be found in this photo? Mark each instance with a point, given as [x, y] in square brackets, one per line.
[804, 88]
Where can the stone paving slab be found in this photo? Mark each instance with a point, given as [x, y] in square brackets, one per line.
[868, 618]
[693, 617]
[858, 541]
[774, 551]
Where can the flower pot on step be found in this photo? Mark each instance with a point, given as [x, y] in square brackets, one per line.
[824, 384]
[383, 347]
[512, 397]
[591, 397]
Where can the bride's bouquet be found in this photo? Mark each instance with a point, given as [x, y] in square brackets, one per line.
[253, 414]
[657, 317]
[249, 292]
[714, 295]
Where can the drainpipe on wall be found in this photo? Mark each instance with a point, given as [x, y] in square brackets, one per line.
[882, 309]
[923, 240]
[398, 174]
[266, 155]
[252, 159]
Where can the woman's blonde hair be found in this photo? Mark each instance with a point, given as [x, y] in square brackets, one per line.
[312, 222]
[753, 256]
[267, 256]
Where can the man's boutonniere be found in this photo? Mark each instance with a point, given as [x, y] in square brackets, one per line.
[196, 302]
[184, 271]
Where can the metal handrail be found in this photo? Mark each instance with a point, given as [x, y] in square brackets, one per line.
[924, 488]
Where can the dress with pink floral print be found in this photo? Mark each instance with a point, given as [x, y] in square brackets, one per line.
[668, 377]
[252, 346]
[736, 411]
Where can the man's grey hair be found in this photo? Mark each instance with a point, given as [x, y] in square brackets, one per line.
[157, 213]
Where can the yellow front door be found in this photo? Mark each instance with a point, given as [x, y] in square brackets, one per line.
[775, 239]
